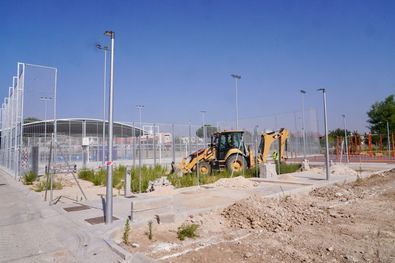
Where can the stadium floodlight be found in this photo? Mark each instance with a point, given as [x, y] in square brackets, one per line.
[326, 133]
[303, 128]
[109, 200]
[236, 77]
[105, 49]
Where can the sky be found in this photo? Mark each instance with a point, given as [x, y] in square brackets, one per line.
[176, 57]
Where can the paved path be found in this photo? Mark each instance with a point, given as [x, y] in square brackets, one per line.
[31, 231]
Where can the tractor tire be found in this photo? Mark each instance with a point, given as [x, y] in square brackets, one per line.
[235, 163]
[204, 168]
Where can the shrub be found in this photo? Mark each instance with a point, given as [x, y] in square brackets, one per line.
[42, 185]
[150, 234]
[126, 230]
[86, 174]
[147, 174]
[29, 178]
[187, 230]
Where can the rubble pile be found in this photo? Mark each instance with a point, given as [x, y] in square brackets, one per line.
[273, 214]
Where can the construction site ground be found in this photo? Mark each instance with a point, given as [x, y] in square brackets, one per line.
[218, 241]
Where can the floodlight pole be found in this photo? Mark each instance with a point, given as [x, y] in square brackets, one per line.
[109, 208]
[326, 134]
[140, 108]
[105, 49]
[303, 128]
[236, 77]
[345, 137]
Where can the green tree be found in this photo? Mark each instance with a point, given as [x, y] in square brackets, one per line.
[210, 131]
[381, 112]
[338, 132]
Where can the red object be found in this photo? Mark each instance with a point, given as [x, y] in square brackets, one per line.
[370, 144]
[109, 163]
[381, 143]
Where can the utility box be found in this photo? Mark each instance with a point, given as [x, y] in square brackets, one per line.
[267, 170]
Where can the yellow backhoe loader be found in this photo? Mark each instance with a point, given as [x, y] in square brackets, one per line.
[228, 151]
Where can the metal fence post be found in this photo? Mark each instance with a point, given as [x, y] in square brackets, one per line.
[154, 143]
[134, 144]
[189, 138]
[173, 143]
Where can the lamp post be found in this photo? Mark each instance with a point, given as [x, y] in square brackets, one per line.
[326, 134]
[303, 92]
[236, 77]
[203, 112]
[108, 211]
[45, 100]
[345, 137]
[105, 49]
[140, 109]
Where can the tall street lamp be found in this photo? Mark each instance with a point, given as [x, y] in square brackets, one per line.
[109, 209]
[326, 134]
[105, 49]
[345, 137]
[236, 77]
[203, 112]
[140, 109]
[303, 92]
[45, 100]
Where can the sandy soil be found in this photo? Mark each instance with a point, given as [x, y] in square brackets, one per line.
[342, 223]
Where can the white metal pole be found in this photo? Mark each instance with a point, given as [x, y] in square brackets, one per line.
[237, 106]
[303, 128]
[109, 208]
[236, 77]
[140, 108]
[326, 134]
[345, 138]
[45, 121]
[104, 105]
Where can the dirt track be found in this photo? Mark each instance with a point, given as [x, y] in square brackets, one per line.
[342, 223]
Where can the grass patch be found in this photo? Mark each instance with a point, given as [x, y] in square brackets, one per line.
[42, 185]
[187, 230]
[147, 174]
[288, 168]
[188, 180]
[29, 178]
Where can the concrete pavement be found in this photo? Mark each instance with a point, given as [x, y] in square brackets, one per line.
[32, 231]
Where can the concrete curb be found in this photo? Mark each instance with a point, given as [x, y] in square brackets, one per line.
[125, 255]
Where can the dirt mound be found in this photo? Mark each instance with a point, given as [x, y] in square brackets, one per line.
[336, 169]
[272, 214]
[342, 193]
[357, 189]
[235, 182]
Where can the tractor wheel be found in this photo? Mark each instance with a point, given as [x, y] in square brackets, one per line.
[235, 163]
[204, 168]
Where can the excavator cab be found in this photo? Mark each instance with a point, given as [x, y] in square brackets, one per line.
[226, 141]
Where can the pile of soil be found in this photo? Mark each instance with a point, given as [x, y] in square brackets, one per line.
[335, 169]
[342, 193]
[273, 214]
[235, 182]
[352, 191]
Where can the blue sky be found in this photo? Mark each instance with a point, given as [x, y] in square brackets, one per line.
[176, 57]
